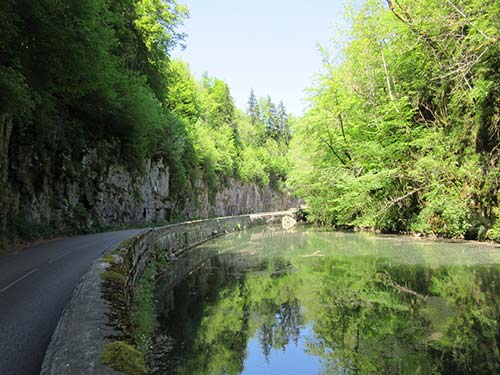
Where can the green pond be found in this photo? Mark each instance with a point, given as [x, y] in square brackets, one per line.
[309, 301]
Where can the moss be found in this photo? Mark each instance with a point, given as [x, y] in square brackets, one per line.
[135, 315]
[115, 292]
[116, 278]
[143, 319]
[108, 259]
[123, 357]
[142, 313]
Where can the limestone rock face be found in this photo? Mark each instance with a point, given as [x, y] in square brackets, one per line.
[121, 199]
[90, 195]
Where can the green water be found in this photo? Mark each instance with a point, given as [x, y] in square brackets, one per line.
[315, 302]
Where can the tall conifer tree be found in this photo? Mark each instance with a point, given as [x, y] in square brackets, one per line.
[253, 110]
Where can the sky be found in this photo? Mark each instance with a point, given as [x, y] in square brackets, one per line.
[270, 46]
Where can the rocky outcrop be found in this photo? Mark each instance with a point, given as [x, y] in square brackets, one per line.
[239, 198]
[93, 195]
[122, 199]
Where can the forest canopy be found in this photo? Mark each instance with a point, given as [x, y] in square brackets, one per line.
[97, 75]
[403, 128]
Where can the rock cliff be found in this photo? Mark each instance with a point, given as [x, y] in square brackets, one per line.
[93, 195]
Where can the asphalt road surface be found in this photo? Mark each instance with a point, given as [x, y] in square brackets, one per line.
[35, 285]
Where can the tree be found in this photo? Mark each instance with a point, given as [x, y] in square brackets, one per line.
[271, 119]
[183, 98]
[253, 110]
[217, 101]
[402, 133]
[283, 126]
[156, 23]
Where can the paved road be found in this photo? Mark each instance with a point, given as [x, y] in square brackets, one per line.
[35, 285]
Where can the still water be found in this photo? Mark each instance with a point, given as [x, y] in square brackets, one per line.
[308, 301]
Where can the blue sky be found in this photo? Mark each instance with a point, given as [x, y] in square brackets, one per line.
[270, 46]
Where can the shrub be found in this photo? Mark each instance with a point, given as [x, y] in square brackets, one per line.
[494, 232]
[123, 357]
[446, 215]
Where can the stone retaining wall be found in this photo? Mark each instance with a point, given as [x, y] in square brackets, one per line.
[84, 328]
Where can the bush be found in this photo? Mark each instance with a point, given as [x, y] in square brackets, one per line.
[494, 232]
[123, 357]
[446, 215]
[22, 227]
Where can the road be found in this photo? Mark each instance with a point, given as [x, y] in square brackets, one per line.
[35, 285]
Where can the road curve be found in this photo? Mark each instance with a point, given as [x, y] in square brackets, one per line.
[35, 285]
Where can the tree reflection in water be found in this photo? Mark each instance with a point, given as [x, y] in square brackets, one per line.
[366, 312]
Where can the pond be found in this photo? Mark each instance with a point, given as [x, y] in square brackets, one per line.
[309, 301]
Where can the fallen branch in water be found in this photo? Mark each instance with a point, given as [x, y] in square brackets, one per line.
[401, 288]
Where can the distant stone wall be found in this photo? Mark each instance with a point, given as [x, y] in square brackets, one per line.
[84, 328]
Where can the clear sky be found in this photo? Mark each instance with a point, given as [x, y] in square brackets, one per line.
[270, 46]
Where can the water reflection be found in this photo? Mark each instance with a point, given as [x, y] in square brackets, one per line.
[314, 302]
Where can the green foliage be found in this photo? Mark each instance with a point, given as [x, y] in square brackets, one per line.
[123, 357]
[443, 215]
[253, 167]
[79, 74]
[183, 98]
[402, 131]
[253, 110]
[24, 228]
[494, 232]
[226, 143]
[16, 98]
[218, 105]
[97, 75]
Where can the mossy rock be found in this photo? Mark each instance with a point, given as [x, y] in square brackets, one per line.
[123, 357]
